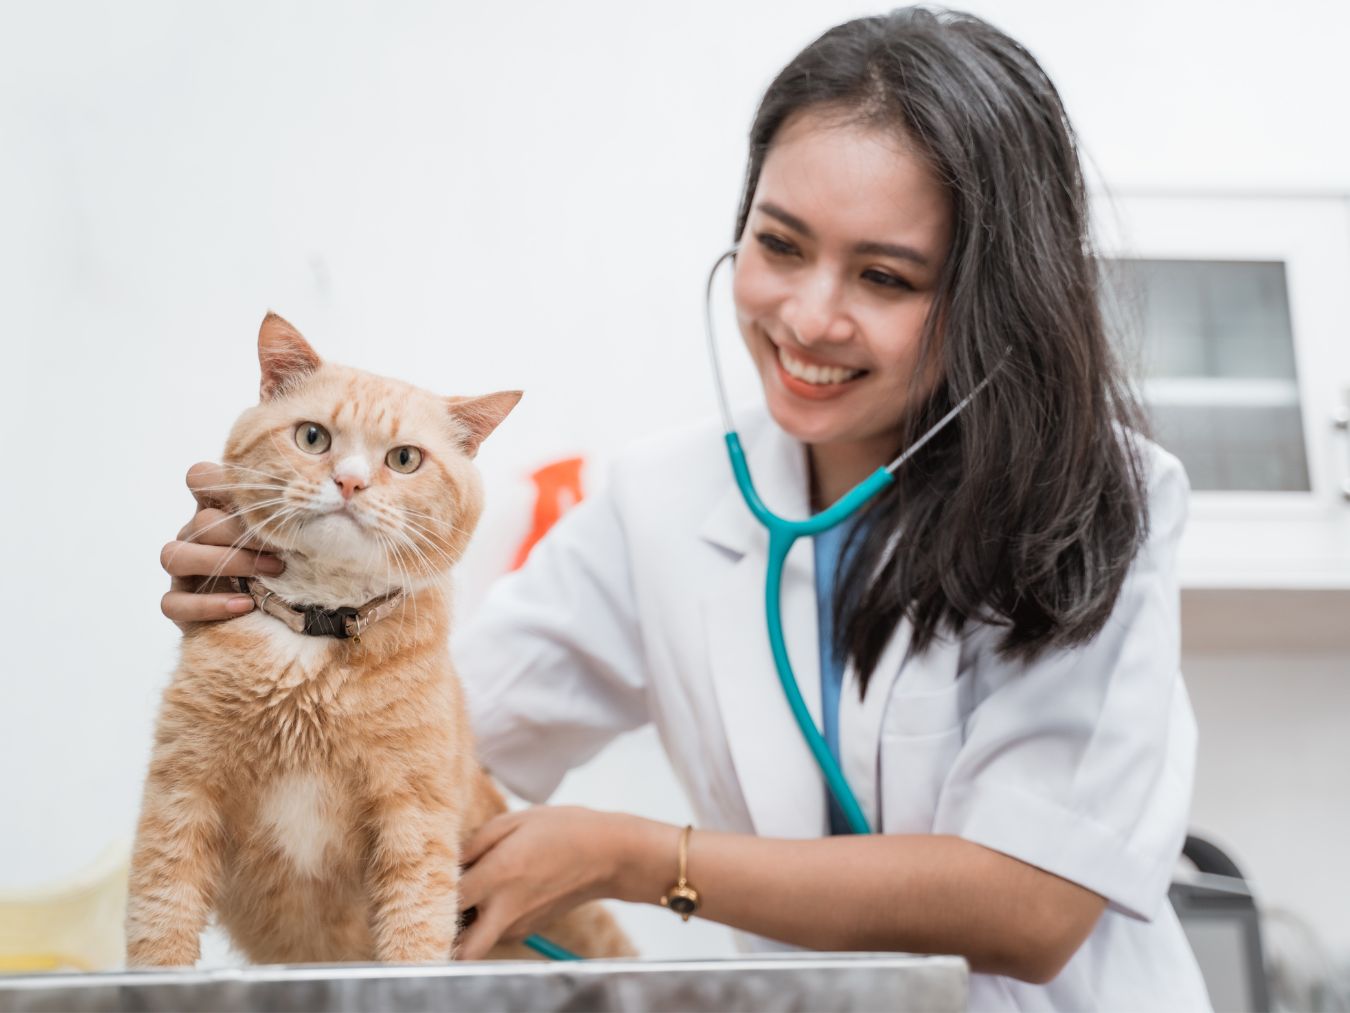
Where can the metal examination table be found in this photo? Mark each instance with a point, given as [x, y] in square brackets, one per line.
[765, 982]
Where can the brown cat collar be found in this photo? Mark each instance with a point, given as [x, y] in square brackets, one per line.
[343, 622]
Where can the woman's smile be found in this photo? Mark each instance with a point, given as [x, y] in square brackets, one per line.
[806, 377]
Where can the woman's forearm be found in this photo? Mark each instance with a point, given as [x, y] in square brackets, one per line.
[910, 893]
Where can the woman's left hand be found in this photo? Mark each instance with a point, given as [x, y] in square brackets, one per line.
[523, 869]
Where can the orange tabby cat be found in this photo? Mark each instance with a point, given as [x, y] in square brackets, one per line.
[314, 790]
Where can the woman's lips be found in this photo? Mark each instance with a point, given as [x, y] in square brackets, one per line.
[817, 390]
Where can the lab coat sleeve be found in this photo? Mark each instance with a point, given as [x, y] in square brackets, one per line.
[1081, 762]
[551, 663]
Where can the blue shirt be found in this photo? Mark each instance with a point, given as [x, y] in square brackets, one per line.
[829, 546]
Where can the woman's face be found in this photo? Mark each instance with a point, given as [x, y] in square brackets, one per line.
[835, 278]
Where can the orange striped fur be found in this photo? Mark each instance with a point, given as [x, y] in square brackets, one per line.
[313, 792]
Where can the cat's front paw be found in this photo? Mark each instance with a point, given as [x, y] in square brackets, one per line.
[144, 953]
[420, 951]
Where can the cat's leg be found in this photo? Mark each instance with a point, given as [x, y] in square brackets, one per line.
[175, 870]
[413, 879]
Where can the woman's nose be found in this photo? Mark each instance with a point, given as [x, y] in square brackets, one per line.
[815, 311]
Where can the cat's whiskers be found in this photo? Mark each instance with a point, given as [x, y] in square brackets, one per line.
[454, 528]
[235, 546]
[396, 531]
[281, 456]
[409, 594]
[214, 524]
[257, 471]
[242, 487]
[403, 515]
[250, 532]
[288, 501]
[414, 553]
[281, 518]
[412, 547]
[432, 542]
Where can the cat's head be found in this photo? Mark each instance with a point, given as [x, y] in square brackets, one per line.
[348, 468]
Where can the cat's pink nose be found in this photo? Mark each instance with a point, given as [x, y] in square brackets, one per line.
[349, 484]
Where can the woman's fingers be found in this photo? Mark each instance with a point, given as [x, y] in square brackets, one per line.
[213, 523]
[189, 559]
[214, 543]
[471, 889]
[486, 836]
[210, 526]
[477, 927]
[187, 607]
[491, 924]
[475, 941]
[204, 479]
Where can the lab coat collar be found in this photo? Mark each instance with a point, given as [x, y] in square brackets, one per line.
[783, 788]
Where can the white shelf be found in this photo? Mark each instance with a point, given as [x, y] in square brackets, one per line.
[1220, 392]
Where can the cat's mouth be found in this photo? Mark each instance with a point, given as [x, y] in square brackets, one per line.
[346, 512]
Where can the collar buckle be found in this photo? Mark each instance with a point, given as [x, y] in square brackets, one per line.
[340, 622]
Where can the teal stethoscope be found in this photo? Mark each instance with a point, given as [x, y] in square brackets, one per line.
[783, 534]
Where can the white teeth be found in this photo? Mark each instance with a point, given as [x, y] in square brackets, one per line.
[815, 374]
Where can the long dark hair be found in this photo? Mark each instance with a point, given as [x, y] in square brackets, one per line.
[1027, 510]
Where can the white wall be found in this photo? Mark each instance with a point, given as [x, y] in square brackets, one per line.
[474, 198]
[1272, 773]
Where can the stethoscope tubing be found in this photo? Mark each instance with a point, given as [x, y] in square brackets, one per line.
[783, 534]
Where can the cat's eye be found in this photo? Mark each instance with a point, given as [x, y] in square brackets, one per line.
[312, 438]
[404, 459]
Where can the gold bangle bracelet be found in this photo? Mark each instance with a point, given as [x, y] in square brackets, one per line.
[682, 898]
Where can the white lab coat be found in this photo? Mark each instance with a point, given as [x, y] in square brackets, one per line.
[645, 603]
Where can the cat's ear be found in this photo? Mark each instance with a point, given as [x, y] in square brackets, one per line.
[478, 416]
[283, 355]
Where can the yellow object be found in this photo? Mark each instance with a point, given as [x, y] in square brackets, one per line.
[72, 925]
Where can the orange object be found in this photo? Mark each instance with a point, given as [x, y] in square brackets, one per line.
[557, 490]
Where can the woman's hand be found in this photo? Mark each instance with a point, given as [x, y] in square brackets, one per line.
[212, 544]
[523, 869]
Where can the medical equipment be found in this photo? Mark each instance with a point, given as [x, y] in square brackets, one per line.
[784, 533]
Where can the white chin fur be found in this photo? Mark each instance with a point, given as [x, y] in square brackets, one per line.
[336, 562]
[341, 540]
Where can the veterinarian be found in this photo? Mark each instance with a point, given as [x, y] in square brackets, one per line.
[989, 645]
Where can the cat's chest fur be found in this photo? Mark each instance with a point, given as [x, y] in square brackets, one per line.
[281, 650]
[300, 813]
[280, 699]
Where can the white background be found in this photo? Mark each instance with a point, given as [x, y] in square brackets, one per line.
[477, 198]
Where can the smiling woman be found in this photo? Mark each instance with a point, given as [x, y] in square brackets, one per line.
[996, 635]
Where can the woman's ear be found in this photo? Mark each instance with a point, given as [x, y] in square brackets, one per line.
[478, 416]
[284, 356]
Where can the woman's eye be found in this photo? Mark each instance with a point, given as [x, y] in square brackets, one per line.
[404, 459]
[312, 438]
[886, 280]
[776, 245]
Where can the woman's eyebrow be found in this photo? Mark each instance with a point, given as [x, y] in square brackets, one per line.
[790, 220]
[867, 248]
[892, 250]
